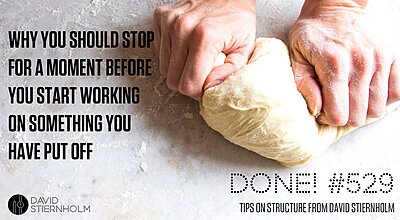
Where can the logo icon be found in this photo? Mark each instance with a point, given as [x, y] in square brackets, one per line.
[18, 204]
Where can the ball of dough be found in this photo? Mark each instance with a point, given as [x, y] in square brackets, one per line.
[260, 109]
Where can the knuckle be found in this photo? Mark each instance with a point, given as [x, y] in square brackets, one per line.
[376, 108]
[335, 64]
[375, 112]
[356, 122]
[355, 84]
[171, 84]
[187, 88]
[379, 52]
[377, 93]
[158, 12]
[332, 56]
[167, 17]
[394, 94]
[337, 119]
[382, 58]
[362, 60]
[204, 33]
[382, 52]
[183, 24]
[236, 61]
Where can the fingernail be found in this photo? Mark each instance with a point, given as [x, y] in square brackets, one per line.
[322, 120]
[312, 107]
[213, 83]
[315, 112]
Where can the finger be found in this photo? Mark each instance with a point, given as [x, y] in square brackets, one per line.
[156, 29]
[198, 65]
[234, 61]
[176, 65]
[165, 44]
[183, 5]
[203, 50]
[359, 84]
[158, 16]
[335, 90]
[378, 90]
[183, 25]
[394, 82]
[308, 86]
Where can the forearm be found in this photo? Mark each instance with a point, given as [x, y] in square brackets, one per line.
[317, 7]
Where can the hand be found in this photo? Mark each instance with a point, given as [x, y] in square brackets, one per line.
[343, 73]
[190, 34]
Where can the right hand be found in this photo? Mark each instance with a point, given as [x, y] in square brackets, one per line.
[190, 34]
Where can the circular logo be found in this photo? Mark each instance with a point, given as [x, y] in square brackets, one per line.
[18, 204]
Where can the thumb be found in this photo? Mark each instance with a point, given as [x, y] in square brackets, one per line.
[233, 61]
[308, 86]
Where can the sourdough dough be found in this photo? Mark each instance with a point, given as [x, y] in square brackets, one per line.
[260, 109]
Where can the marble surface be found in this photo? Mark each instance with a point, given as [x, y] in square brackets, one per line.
[171, 165]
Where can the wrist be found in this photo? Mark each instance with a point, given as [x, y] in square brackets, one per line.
[316, 8]
[248, 2]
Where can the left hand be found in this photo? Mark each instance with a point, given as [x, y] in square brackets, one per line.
[343, 73]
